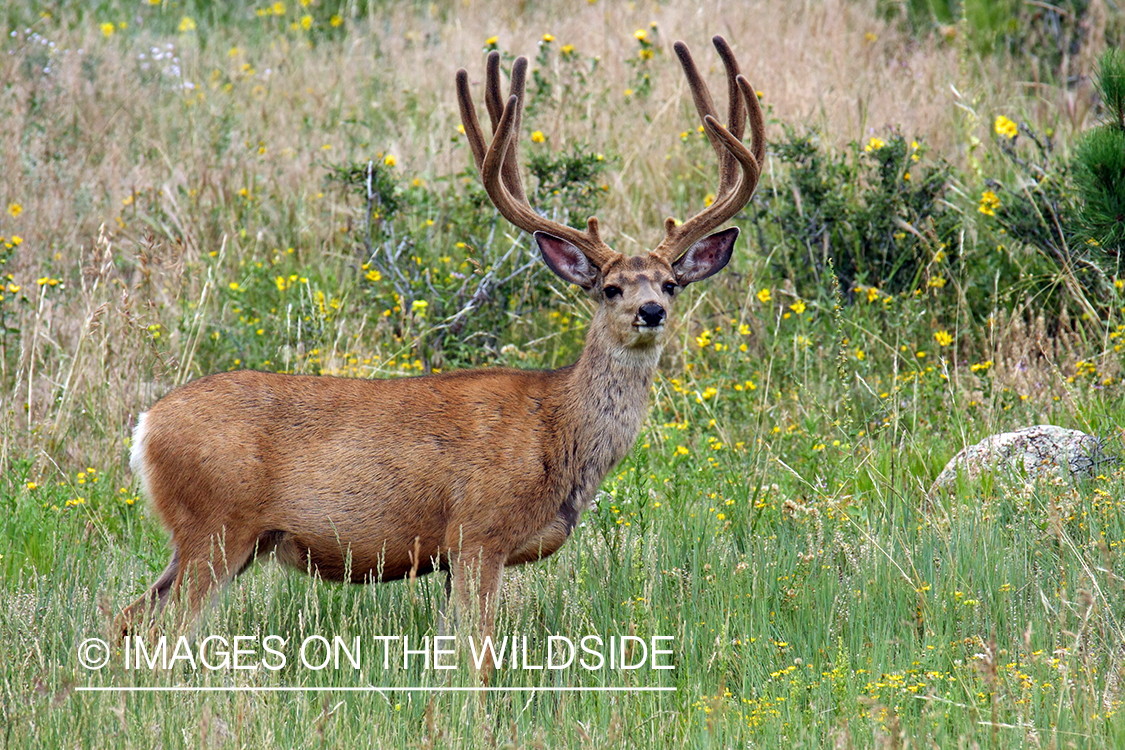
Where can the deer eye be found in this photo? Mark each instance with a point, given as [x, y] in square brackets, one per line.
[612, 291]
[669, 288]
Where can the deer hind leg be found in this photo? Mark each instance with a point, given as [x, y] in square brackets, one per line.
[198, 568]
[145, 609]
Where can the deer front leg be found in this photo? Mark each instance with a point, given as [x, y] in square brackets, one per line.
[476, 574]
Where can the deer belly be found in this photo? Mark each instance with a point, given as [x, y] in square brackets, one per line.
[363, 562]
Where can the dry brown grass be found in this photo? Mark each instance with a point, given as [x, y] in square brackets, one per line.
[102, 138]
[97, 132]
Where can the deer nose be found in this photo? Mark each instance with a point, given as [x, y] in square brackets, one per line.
[651, 313]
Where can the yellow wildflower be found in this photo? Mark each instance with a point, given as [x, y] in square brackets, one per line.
[1006, 127]
[988, 203]
[186, 24]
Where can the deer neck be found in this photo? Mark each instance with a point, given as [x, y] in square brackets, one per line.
[606, 401]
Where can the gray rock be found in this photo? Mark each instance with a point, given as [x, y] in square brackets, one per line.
[1036, 452]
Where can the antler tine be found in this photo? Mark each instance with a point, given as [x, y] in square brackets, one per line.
[471, 124]
[757, 121]
[705, 105]
[680, 238]
[510, 167]
[736, 114]
[735, 189]
[492, 98]
[469, 118]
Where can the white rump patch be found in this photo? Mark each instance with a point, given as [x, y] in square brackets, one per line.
[137, 460]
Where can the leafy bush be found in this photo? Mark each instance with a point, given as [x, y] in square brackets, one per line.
[874, 215]
[569, 184]
[436, 265]
[1034, 217]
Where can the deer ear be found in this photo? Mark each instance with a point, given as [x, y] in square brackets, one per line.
[566, 260]
[706, 257]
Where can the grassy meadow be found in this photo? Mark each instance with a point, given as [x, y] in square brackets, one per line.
[196, 187]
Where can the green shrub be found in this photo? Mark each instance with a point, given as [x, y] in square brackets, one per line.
[437, 267]
[1034, 217]
[1099, 164]
[874, 215]
[1042, 40]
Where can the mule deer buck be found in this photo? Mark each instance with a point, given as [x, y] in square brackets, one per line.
[466, 472]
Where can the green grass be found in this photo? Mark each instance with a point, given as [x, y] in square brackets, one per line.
[797, 614]
[773, 518]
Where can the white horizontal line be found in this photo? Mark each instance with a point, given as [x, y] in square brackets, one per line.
[355, 689]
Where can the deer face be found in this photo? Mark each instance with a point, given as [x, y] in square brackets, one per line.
[636, 296]
[635, 293]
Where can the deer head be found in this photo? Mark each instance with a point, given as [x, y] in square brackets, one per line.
[634, 293]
